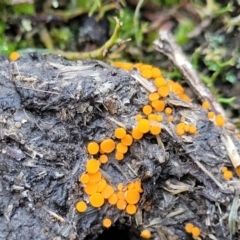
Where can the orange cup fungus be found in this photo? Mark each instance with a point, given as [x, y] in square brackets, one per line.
[127, 140]
[147, 109]
[132, 196]
[93, 148]
[92, 166]
[121, 204]
[159, 82]
[14, 56]
[211, 115]
[103, 158]
[156, 73]
[206, 105]
[163, 91]
[107, 191]
[227, 175]
[121, 148]
[143, 126]
[81, 206]
[153, 96]
[119, 156]
[107, 145]
[155, 130]
[190, 228]
[219, 120]
[96, 200]
[168, 110]
[145, 234]
[158, 105]
[84, 178]
[113, 199]
[131, 209]
[120, 133]
[107, 222]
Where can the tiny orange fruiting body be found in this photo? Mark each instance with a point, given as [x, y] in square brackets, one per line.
[145, 234]
[93, 148]
[120, 133]
[188, 227]
[143, 125]
[107, 145]
[96, 200]
[81, 206]
[107, 222]
[219, 120]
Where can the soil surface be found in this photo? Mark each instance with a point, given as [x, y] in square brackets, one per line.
[52, 108]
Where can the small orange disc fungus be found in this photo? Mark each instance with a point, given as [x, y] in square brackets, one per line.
[119, 156]
[101, 185]
[107, 191]
[14, 56]
[120, 186]
[152, 117]
[159, 82]
[163, 91]
[143, 126]
[120, 133]
[159, 118]
[121, 204]
[196, 232]
[92, 166]
[103, 158]
[227, 175]
[95, 177]
[131, 209]
[192, 129]
[153, 96]
[90, 188]
[132, 196]
[206, 105]
[81, 206]
[180, 131]
[121, 195]
[107, 222]
[127, 140]
[146, 73]
[137, 186]
[155, 130]
[220, 120]
[113, 199]
[145, 234]
[158, 105]
[168, 110]
[121, 148]
[136, 134]
[138, 117]
[107, 145]
[189, 227]
[156, 72]
[84, 178]
[147, 109]
[93, 148]
[96, 200]
[211, 115]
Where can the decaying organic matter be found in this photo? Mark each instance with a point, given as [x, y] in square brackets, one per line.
[52, 108]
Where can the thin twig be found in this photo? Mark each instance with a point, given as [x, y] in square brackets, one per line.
[166, 45]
